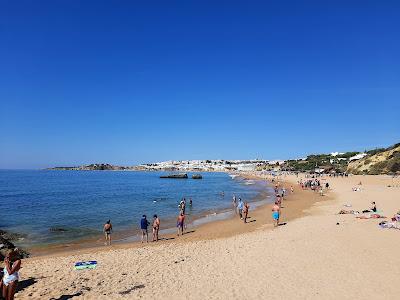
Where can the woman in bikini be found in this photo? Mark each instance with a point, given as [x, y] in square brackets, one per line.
[9, 283]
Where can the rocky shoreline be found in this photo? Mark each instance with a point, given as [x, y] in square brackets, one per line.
[6, 244]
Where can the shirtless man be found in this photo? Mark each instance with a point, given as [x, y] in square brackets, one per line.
[107, 232]
[276, 211]
[156, 228]
[180, 223]
[246, 208]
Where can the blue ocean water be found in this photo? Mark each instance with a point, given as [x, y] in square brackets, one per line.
[33, 201]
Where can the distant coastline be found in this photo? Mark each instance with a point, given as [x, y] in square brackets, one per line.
[372, 162]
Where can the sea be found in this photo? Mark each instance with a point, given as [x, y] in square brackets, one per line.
[50, 207]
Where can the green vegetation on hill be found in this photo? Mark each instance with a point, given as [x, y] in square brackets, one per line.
[321, 161]
[378, 161]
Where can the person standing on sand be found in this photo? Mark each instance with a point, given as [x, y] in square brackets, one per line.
[240, 208]
[156, 228]
[291, 189]
[143, 226]
[180, 223]
[246, 208]
[107, 229]
[234, 203]
[276, 213]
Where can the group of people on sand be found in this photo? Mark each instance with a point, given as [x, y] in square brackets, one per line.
[144, 225]
[9, 282]
[373, 213]
[241, 208]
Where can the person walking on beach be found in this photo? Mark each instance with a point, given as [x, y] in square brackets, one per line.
[234, 203]
[107, 228]
[156, 228]
[143, 226]
[246, 208]
[276, 213]
[240, 208]
[180, 223]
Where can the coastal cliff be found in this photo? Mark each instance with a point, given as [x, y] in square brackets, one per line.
[378, 161]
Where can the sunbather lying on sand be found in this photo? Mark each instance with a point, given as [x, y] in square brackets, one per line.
[348, 212]
[387, 224]
[396, 217]
[371, 216]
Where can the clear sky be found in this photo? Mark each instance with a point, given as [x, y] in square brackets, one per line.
[127, 82]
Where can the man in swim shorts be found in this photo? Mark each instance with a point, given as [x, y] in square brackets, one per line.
[276, 213]
[107, 232]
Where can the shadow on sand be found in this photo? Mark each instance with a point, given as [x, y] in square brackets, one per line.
[23, 284]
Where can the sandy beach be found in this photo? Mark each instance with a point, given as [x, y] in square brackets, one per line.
[310, 257]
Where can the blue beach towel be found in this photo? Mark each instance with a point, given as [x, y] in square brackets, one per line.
[81, 265]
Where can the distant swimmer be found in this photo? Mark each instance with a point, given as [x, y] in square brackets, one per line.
[190, 202]
[276, 213]
[156, 228]
[180, 223]
[107, 229]
[143, 226]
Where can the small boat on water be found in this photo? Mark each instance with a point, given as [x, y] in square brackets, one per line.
[197, 176]
[176, 176]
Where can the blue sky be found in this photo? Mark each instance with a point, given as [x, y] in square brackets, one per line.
[127, 82]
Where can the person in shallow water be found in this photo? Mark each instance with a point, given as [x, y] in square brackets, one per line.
[144, 224]
[9, 283]
[156, 228]
[107, 228]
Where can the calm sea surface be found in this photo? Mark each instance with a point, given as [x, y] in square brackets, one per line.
[32, 202]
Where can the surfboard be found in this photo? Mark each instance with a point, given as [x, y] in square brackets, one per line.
[80, 265]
